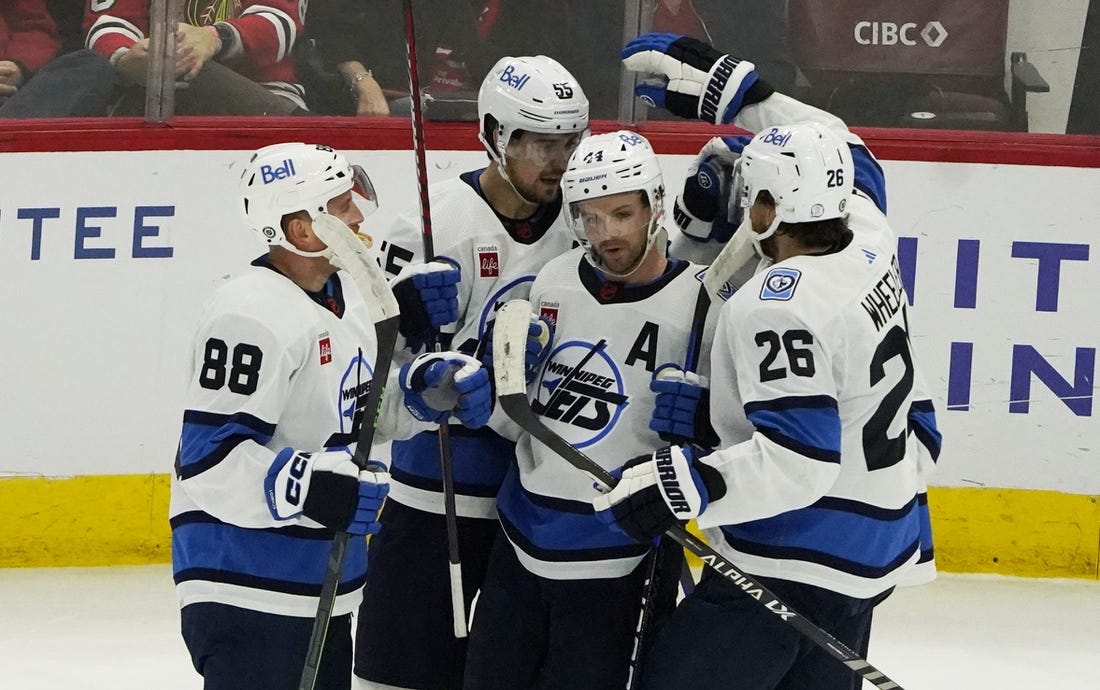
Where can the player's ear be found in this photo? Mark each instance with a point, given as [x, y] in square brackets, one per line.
[297, 229]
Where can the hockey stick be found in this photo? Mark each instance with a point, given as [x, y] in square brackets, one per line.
[350, 254]
[509, 345]
[446, 462]
[649, 588]
[736, 253]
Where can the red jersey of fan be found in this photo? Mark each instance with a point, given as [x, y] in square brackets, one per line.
[267, 29]
[27, 33]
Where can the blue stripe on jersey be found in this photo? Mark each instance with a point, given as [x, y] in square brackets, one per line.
[869, 177]
[808, 425]
[922, 422]
[927, 552]
[555, 529]
[208, 437]
[841, 534]
[291, 560]
[480, 460]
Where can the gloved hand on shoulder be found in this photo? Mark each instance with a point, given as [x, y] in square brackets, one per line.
[439, 385]
[326, 487]
[702, 83]
[709, 209]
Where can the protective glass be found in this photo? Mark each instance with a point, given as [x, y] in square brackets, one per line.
[364, 188]
[543, 149]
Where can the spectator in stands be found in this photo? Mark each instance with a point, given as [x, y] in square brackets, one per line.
[223, 51]
[355, 57]
[28, 40]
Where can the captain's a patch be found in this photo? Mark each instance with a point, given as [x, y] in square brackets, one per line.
[780, 283]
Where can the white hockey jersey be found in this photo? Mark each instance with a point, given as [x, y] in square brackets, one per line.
[273, 367]
[826, 434]
[604, 408]
[498, 258]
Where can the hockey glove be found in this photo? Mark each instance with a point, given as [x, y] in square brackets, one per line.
[702, 83]
[539, 334]
[438, 385]
[326, 487]
[427, 295]
[681, 413]
[709, 209]
[658, 491]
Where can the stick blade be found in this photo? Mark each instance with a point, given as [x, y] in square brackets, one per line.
[737, 252]
[350, 254]
[509, 347]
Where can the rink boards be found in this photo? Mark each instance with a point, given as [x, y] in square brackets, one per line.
[108, 256]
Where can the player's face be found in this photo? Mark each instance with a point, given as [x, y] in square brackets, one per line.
[345, 208]
[536, 162]
[617, 227]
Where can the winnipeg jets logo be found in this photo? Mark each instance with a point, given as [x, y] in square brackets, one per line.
[354, 387]
[780, 283]
[588, 400]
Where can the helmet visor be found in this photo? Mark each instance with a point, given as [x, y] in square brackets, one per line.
[612, 217]
[543, 149]
[362, 187]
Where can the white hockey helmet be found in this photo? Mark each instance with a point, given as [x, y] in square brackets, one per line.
[806, 168]
[533, 94]
[607, 164]
[291, 177]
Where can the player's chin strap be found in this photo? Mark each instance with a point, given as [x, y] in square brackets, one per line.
[499, 158]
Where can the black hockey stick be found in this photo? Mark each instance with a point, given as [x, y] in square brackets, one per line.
[509, 345]
[350, 254]
[446, 462]
[652, 582]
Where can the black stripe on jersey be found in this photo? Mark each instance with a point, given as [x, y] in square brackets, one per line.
[571, 556]
[270, 585]
[792, 553]
[522, 230]
[194, 517]
[562, 505]
[865, 509]
[436, 485]
[613, 292]
[257, 430]
[812, 452]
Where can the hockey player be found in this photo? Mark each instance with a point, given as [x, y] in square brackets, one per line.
[279, 378]
[254, 38]
[500, 224]
[817, 485]
[562, 595]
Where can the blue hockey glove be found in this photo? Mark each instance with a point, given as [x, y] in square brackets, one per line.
[657, 491]
[702, 83]
[328, 488]
[709, 209]
[427, 295]
[438, 385]
[539, 335]
[681, 412]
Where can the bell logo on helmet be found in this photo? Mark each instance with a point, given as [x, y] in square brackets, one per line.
[776, 136]
[516, 81]
[270, 173]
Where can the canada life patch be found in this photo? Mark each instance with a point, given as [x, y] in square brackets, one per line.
[550, 313]
[488, 264]
[325, 348]
[780, 283]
